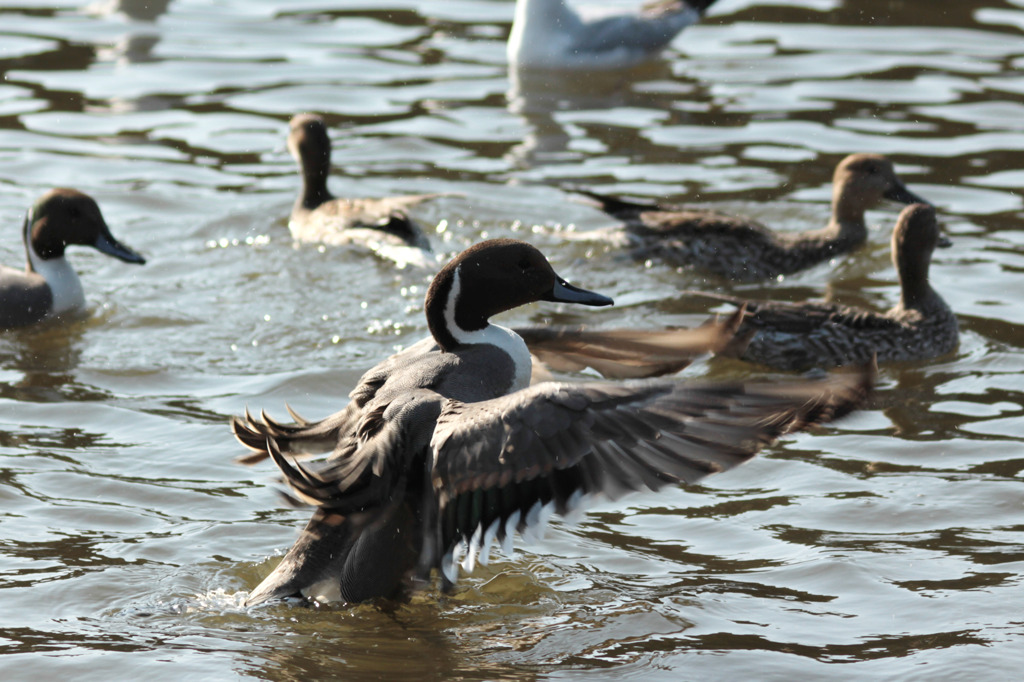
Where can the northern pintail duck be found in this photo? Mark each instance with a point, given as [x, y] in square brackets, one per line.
[743, 249]
[445, 447]
[48, 286]
[383, 225]
[799, 336]
[549, 34]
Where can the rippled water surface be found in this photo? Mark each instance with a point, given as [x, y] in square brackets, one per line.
[888, 546]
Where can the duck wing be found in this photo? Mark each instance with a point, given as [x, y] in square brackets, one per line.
[304, 437]
[501, 465]
[627, 353]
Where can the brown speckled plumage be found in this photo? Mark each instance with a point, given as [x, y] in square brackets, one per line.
[743, 249]
[799, 336]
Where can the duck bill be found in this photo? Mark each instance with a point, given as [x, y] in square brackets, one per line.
[900, 193]
[563, 292]
[943, 242]
[106, 243]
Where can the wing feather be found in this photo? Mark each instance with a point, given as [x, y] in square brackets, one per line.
[553, 444]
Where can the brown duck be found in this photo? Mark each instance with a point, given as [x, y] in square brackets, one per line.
[742, 249]
[381, 224]
[800, 336]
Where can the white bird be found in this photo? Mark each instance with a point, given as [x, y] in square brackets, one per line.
[548, 34]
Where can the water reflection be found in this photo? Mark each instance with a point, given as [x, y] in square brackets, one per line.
[137, 10]
[537, 97]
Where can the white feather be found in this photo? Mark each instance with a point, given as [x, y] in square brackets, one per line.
[507, 546]
[537, 521]
[488, 540]
[469, 561]
[63, 282]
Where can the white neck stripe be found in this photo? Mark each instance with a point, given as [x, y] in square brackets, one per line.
[493, 334]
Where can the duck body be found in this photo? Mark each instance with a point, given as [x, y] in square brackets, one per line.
[742, 249]
[48, 286]
[800, 336]
[549, 34]
[445, 448]
[380, 224]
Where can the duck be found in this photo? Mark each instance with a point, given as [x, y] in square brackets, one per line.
[48, 287]
[382, 224]
[446, 448]
[742, 249]
[551, 35]
[811, 335]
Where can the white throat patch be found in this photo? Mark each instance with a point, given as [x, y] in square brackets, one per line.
[62, 280]
[493, 334]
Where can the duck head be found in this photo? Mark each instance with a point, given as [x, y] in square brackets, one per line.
[63, 217]
[862, 181]
[492, 277]
[309, 144]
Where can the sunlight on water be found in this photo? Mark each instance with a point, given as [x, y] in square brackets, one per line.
[886, 546]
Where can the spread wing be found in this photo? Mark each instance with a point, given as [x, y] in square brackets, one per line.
[368, 467]
[627, 353]
[304, 437]
[500, 465]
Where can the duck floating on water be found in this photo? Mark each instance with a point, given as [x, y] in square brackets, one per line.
[383, 225]
[800, 336]
[743, 249]
[549, 34]
[445, 448]
[49, 287]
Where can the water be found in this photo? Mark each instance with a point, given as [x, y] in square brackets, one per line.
[888, 546]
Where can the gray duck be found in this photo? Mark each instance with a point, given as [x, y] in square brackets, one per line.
[445, 448]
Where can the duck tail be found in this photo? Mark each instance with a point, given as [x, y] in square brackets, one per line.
[614, 206]
[299, 438]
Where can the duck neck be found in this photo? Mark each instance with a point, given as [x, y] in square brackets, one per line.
[454, 325]
[314, 180]
[847, 220]
[916, 292]
[62, 279]
[44, 255]
[534, 17]
[450, 323]
[847, 214]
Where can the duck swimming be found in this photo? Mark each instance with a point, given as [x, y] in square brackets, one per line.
[49, 287]
[549, 34]
[383, 225]
[445, 447]
[742, 249]
[799, 336]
